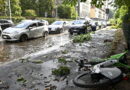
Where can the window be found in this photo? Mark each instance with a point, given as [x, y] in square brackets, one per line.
[6, 22]
[40, 24]
[33, 25]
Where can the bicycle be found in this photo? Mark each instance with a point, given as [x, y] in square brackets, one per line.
[102, 73]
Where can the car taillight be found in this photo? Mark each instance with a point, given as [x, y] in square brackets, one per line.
[125, 78]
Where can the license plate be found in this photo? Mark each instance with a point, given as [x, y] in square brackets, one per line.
[75, 30]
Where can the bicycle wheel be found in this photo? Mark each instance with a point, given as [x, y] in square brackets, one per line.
[85, 80]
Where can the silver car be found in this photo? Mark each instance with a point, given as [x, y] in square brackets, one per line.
[25, 30]
[58, 26]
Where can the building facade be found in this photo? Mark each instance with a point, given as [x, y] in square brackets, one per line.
[85, 8]
[97, 14]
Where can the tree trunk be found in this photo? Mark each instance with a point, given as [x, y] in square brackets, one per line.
[126, 28]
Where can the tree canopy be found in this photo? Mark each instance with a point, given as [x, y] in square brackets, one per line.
[99, 3]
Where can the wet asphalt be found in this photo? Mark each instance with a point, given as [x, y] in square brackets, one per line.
[14, 50]
[24, 74]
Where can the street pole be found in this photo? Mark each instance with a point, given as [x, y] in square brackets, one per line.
[78, 8]
[10, 15]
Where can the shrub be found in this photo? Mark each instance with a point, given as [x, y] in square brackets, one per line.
[17, 19]
[61, 71]
[81, 38]
[30, 12]
[51, 20]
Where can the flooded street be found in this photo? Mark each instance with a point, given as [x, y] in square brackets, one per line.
[35, 72]
[14, 50]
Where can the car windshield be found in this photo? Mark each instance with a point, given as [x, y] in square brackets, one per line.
[22, 25]
[78, 22]
[57, 23]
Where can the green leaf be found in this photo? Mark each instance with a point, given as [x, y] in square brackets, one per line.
[117, 56]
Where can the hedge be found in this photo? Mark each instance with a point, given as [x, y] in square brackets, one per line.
[17, 19]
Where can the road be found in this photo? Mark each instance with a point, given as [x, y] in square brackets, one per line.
[14, 50]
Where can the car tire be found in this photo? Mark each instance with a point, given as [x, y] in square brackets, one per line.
[71, 33]
[45, 34]
[61, 31]
[23, 38]
[0, 33]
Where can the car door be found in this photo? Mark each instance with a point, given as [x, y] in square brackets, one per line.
[40, 28]
[33, 30]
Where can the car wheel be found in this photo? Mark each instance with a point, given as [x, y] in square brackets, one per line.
[23, 38]
[0, 33]
[61, 31]
[45, 34]
[71, 33]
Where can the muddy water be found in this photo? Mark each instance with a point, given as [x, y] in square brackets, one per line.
[39, 76]
[14, 50]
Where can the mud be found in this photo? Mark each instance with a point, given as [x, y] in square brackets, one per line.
[24, 74]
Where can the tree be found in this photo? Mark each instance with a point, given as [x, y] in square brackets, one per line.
[99, 3]
[2, 7]
[16, 9]
[40, 6]
[46, 6]
[29, 4]
[30, 12]
[66, 11]
[119, 14]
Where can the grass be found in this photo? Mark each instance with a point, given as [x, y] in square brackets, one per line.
[62, 60]
[61, 71]
[21, 79]
[64, 52]
[82, 38]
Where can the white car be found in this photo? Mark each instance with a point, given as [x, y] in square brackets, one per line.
[25, 30]
[58, 26]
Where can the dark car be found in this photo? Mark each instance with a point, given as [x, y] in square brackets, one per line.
[80, 27]
[4, 23]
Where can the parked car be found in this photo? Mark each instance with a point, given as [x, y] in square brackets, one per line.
[4, 23]
[25, 30]
[80, 27]
[58, 26]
